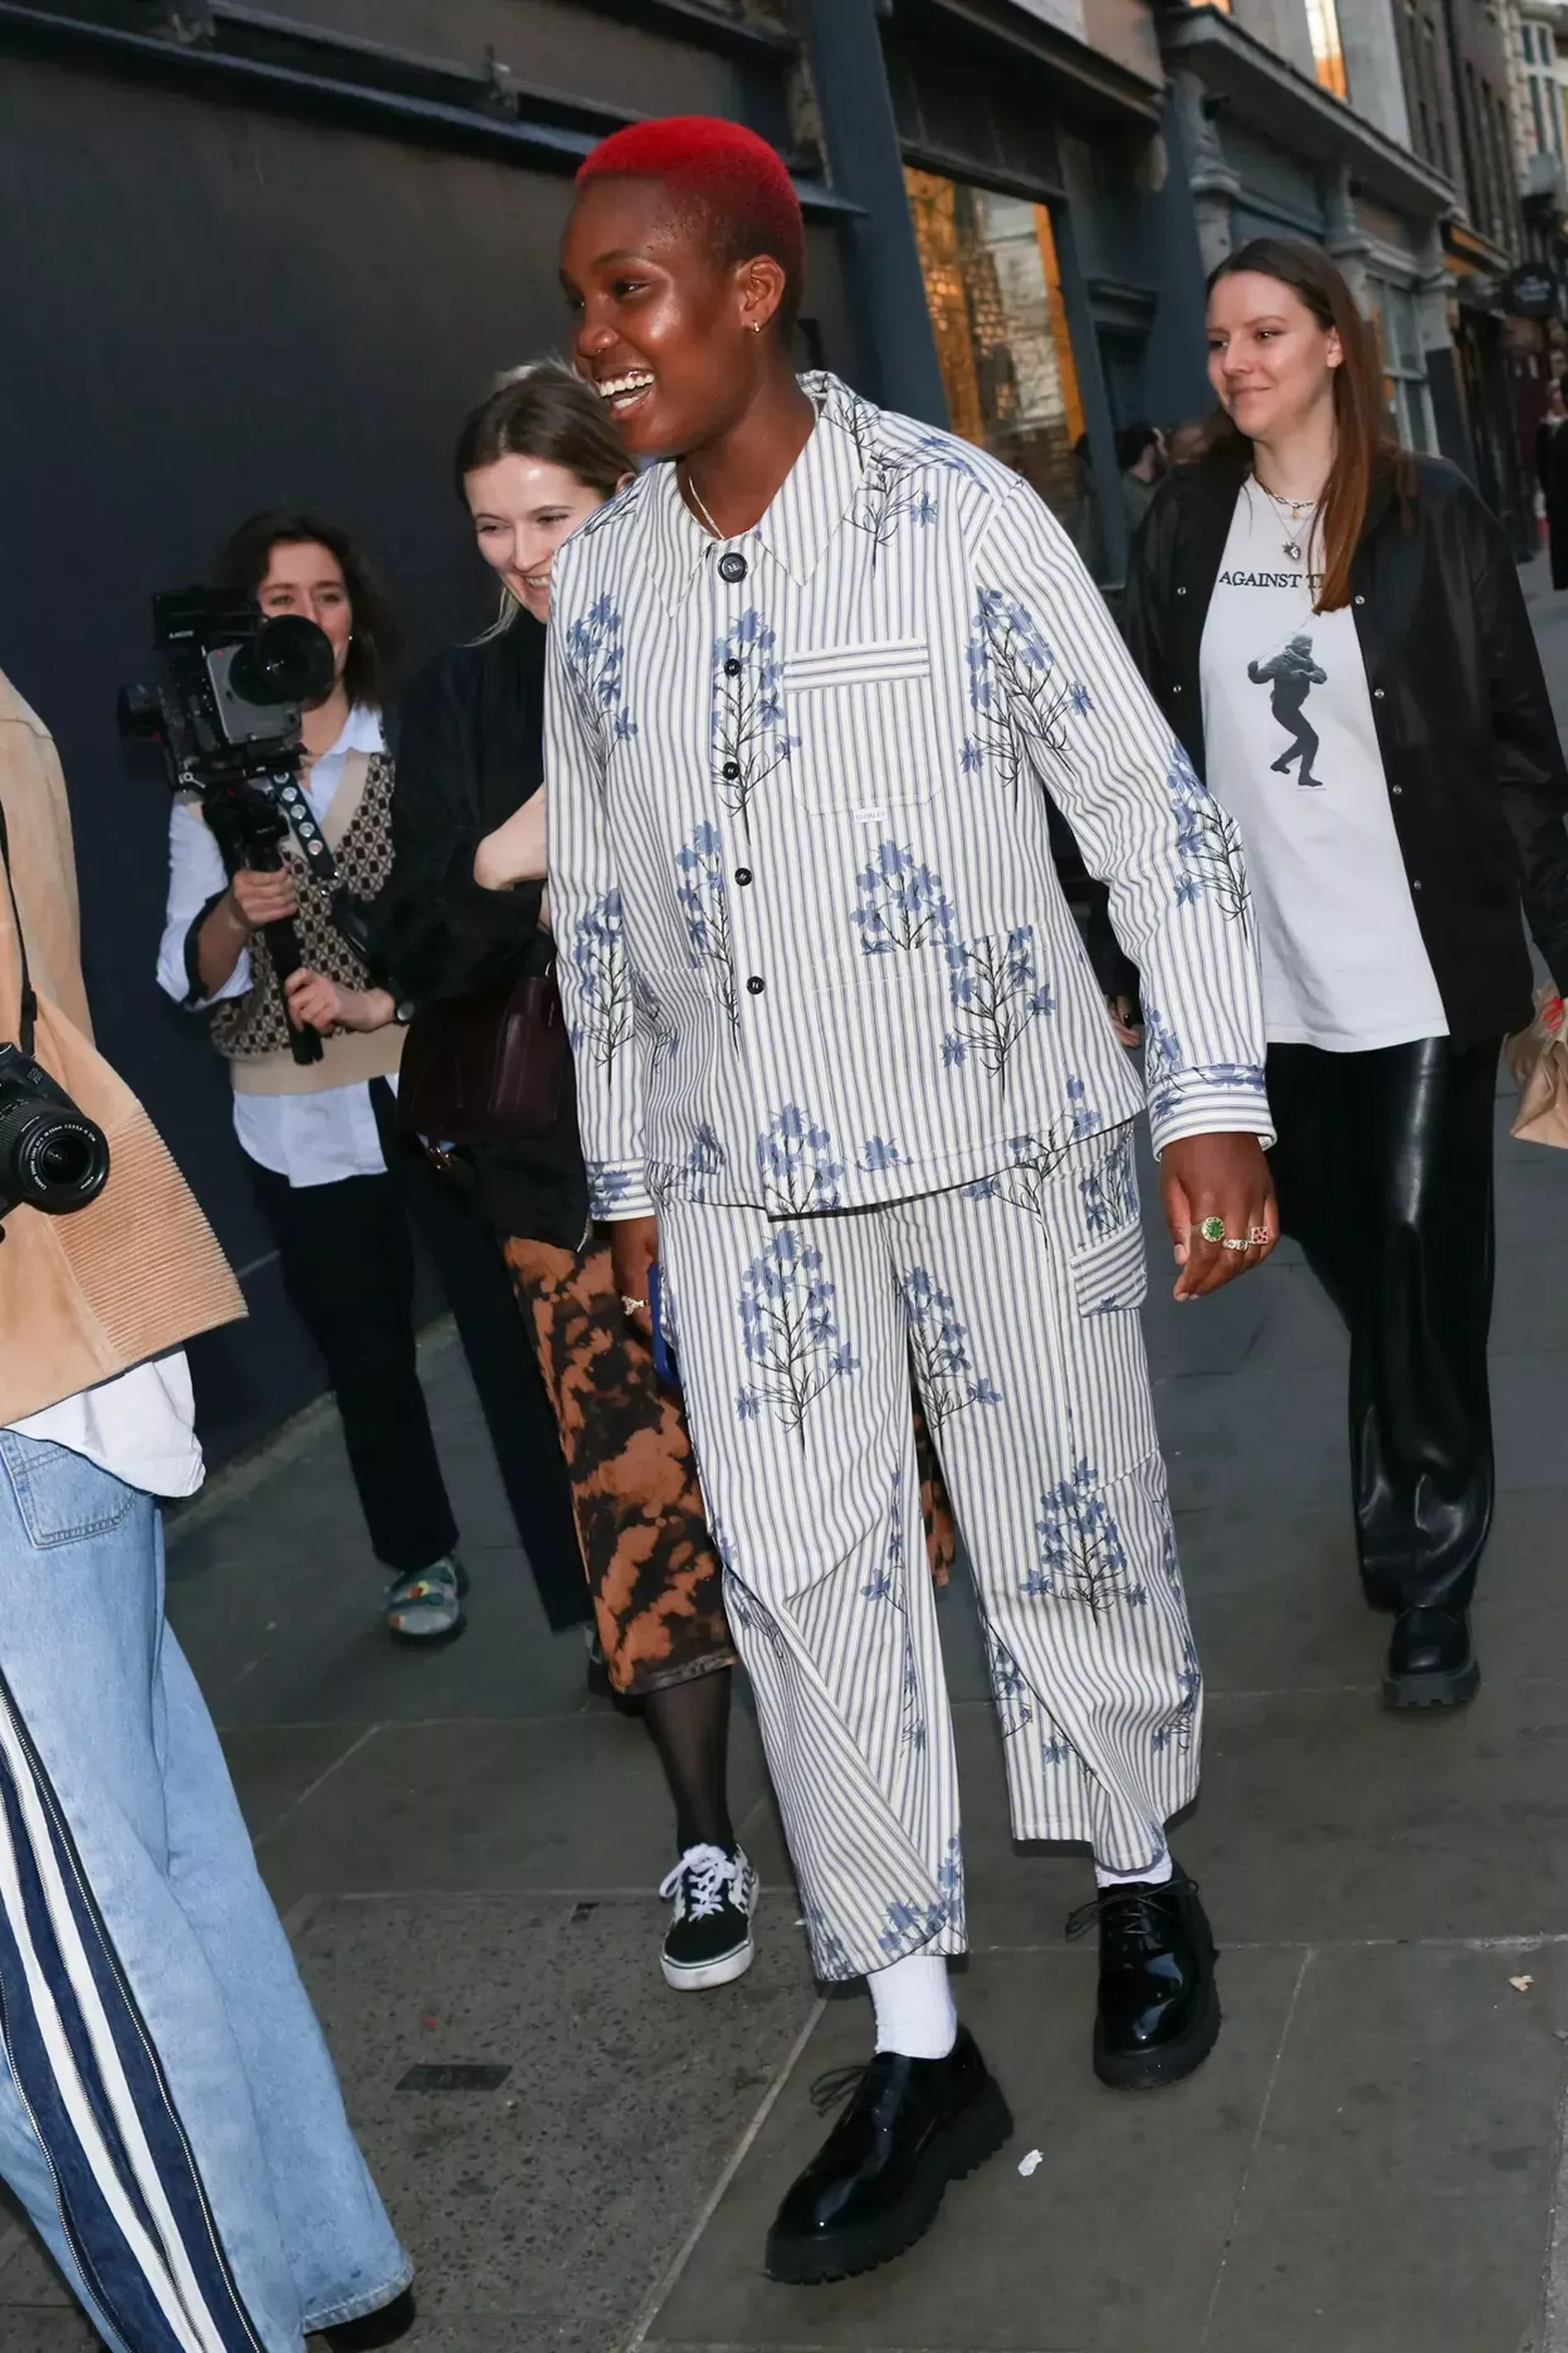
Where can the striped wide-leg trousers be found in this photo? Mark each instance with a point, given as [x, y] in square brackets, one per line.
[1017, 1300]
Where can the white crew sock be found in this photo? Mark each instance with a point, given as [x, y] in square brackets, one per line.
[914, 2007]
[1156, 1876]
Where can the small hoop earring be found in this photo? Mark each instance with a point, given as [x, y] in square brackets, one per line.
[756, 325]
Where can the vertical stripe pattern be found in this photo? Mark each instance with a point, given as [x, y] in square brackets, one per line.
[131, 2199]
[800, 858]
[1016, 1299]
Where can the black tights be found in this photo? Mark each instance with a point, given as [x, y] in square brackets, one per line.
[689, 1724]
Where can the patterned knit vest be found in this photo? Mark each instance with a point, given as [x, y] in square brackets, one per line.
[253, 1028]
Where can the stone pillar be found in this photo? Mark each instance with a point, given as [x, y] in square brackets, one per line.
[1214, 184]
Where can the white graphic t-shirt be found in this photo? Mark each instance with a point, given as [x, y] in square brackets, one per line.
[1292, 752]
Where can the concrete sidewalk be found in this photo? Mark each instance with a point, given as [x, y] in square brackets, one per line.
[466, 1849]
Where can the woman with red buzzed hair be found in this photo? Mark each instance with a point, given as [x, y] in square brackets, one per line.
[806, 675]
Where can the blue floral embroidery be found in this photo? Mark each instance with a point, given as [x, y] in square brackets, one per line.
[1032, 1161]
[797, 1165]
[748, 738]
[912, 1731]
[607, 1186]
[1018, 701]
[652, 1019]
[701, 894]
[790, 1331]
[599, 954]
[1180, 1727]
[1082, 1556]
[902, 903]
[1168, 1080]
[1082, 1113]
[995, 990]
[938, 1343]
[910, 1925]
[890, 490]
[1208, 844]
[707, 1157]
[827, 1947]
[596, 657]
[1015, 1699]
[877, 1153]
[1056, 1748]
[1107, 1192]
[887, 1583]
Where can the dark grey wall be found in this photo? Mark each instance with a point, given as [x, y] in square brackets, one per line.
[209, 309]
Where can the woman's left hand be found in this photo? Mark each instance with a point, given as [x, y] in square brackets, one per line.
[317, 1003]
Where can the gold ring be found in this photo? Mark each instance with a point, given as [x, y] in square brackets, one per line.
[633, 1306]
[1258, 1236]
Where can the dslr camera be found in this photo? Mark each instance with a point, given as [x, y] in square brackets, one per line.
[227, 716]
[52, 1157]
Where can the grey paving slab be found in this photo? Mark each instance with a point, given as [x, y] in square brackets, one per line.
[1277, 1604]
[273, 1766]
[559, 1802]
[47, 2332]
[1398, 2195]
[1061, 2260]
[560, 2199]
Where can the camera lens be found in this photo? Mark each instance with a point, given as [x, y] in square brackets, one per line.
[290, 659]
[62, 1164]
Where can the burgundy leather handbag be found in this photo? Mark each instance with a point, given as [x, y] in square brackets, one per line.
[483, 1069]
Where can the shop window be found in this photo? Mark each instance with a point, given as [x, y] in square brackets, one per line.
[1328, 49]
[994, 291]
[1396, 319]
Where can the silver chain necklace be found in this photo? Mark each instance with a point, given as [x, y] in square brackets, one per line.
[1296, 509]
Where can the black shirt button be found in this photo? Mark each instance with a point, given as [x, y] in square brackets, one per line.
[1416, 886]
[1175, 689]
[732, 769]
[756, 983]
[732, 667]
[1377, 694]
[732, 566]
[742, 875]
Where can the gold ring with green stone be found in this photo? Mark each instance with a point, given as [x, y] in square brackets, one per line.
[1213, 1230]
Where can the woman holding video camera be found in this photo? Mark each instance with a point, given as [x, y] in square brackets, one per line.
[333, 1184]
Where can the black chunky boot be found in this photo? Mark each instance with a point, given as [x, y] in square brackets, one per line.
[874, 2187]
[1159, 2008]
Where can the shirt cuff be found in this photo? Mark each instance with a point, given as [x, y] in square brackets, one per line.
[1228, 1099]
[617, 1191]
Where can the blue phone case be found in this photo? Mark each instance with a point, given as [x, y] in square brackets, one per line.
[663, 1354]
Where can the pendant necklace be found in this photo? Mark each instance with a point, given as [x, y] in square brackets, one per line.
[1296, 508]
[691, 490]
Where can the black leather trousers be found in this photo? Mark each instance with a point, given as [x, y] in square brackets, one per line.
[1384, 1168]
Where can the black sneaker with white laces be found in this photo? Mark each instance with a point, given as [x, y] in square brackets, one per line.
[709, 1942]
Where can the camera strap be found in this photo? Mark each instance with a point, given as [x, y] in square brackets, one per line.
[29, 1002]
[319, 858]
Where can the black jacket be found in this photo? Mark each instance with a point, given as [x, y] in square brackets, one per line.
[1470, 752]
[471, 750]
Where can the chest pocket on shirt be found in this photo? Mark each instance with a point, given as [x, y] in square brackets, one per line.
[866, 719]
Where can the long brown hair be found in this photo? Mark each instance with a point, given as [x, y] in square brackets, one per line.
[377, 642]
[1364, 450]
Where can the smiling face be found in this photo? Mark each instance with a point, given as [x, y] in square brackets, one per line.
[303, 577]
[1270, 363]
[522, 508]
[675, 338]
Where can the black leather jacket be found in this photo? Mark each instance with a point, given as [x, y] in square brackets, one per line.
[1470, 751]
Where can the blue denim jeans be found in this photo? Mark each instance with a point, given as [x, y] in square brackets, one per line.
[169, 2115]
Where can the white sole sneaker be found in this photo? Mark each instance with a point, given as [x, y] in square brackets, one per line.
[724, 1970]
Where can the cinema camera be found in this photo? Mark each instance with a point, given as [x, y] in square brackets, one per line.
[227, 716]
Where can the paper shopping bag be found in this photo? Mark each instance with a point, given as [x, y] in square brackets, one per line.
[1538, 1057]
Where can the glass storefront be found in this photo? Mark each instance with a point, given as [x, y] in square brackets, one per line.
[995, 295]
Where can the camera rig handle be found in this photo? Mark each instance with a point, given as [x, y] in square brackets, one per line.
[250, 830]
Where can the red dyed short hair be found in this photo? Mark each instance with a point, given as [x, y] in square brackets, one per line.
[734, 178]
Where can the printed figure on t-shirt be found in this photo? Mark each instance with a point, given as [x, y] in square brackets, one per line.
[1293, 674]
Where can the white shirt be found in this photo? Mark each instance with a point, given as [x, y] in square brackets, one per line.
[814, 951]
[141, 1427]
[1291, 751]
[312, 1139]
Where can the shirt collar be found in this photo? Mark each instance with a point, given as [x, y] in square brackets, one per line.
[811, 503]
